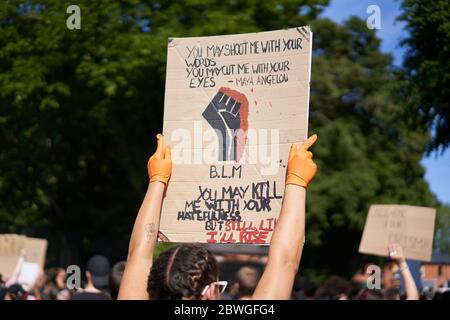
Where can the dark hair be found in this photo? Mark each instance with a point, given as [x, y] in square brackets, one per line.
[247, 278]
[182, 272]
[17, 292]
[115, 277]
[333, 288]
[369, 294]
[391, 294]
[303, 288]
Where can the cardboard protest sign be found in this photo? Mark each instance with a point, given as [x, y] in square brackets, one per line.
[233, 106]
[411, 227]
[10, 247]
[36, 250]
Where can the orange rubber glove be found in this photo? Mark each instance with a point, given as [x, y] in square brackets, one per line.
[301, 167]
[160, 163]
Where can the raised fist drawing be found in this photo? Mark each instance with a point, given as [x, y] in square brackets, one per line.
[227, 113]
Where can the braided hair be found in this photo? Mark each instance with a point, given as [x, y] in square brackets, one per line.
[182, 272]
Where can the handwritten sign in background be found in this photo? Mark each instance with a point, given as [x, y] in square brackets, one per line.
[256, 82]
[410, 226]
[11, 246]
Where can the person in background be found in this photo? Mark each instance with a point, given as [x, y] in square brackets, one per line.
[396, 254]
[16, 292]
[97, 280]
[115, 278]
[55, 282]
[303, 289]
[388, 275]
[335, 288]
[247, 280]
[191, 272]
[369, 294]
[36, 287]
[391, 294]
[361, 277]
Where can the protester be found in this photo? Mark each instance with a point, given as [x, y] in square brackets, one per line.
[396, 254]
[115, 278]
[391, 294]
[171, 273]
[55, 282]
[360, 278]
[389, 275]
[16, 292]
[303, 289]
[247, 280]
[192, 271]
[335, 288]
[369, 294]
[97, 279]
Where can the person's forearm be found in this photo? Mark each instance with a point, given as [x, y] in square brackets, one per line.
[142, 245]
[285, 248]
[146, 226]
[16, 273]
[408, 280]
[289, 234]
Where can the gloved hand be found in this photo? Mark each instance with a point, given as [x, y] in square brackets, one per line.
[301, 168]
[160, 163]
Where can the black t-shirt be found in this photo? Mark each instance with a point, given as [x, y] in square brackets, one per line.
[90, 296]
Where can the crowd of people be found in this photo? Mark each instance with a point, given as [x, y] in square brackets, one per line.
[102, 282]
[99, 281]
[193, 272]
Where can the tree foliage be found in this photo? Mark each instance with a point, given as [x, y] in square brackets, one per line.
[426, 65]
[79, 110]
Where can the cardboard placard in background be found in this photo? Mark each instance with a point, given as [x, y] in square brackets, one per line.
[10, 247]
[410, 226]
[254, 90]
[36, 250]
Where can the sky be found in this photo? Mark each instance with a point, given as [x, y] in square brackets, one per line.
[437, 166]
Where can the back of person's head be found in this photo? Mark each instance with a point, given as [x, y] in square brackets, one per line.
[247, 280]
[115, 277]
[182, 272]
[391, 294]
[17, 292]
[98, 269]
[303, 289]
[335, 288]
[369, 294]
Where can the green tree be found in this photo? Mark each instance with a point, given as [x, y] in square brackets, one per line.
[442, 234]
[79, 110]
[426, 65]
[367, 151]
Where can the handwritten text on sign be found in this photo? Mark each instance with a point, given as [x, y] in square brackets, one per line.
[233, 106]
[409, 226]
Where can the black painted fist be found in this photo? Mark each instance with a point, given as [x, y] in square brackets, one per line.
[227, 113]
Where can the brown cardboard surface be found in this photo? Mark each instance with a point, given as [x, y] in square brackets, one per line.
[10, 247]
[410, 226]
[256, 82]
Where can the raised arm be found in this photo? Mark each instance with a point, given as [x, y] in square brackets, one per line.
[146, 226]
[17, 269]
[396, 254]
[288, 238]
